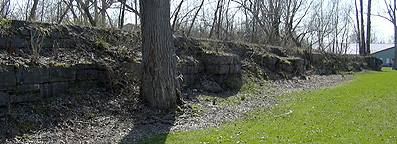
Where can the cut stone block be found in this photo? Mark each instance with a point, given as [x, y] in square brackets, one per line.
[62, 74]
[53, 89]
[3, 98]
[223, 60]
[83, 75]
[7, 77]
[217, 69]
[30, 75]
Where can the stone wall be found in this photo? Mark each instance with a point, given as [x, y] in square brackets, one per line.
[282, 67]
[73, 57]
[218, 67]
[325, 64]
[24, 84]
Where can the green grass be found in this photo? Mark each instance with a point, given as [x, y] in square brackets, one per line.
[361, 111]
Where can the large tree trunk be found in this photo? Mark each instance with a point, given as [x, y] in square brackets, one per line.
[395, 46]
[368, 47]
[136, 14]
[159, 61]
[362, 49]
[86, 11]
[393, 17]
[122, 14]
[103, 13]
[358, 28]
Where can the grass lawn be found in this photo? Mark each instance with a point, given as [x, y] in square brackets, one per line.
[361, 111]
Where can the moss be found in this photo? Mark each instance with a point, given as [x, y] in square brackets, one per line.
[22, 137]
[15, 65]
[179, 109]
[37, 110]
[25, 126]
[197, 109]
[350, 73]
[242, 97]
[205, 44]
[57, 64]
[241, 44]
[300, 51]
[287, 62]
[60, 65]
[74, 93]
[27, 92]
[50, 100]
[79, 99]
[70, 106]
[89, 63]
[268, 56]
[5, 22]
[234, 85]
[109, 60]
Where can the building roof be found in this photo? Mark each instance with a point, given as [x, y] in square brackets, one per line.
[375, 48]
[383, 50]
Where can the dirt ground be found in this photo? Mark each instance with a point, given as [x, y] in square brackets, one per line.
[96, 116]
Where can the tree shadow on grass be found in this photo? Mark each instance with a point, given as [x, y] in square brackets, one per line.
[151, 129]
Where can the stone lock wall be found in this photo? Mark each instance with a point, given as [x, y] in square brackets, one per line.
[218, 66]
[221, 65]
[24, 84]
[326, 64]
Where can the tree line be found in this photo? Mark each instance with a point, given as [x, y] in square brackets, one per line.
[325, 25]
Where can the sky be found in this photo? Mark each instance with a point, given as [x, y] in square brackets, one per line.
[382, 28]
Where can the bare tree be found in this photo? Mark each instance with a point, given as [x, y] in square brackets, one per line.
[32, 16]
[176, 14]
[292, 19]
[368, 46]
[158, 55]
[84, 6]
[122, 14]
[215, 22]
[194, 18]
[5, 8]
[105, 4]
[65, 12]
[131, 8]
[358, 28]
[391, 10]
[362, 32]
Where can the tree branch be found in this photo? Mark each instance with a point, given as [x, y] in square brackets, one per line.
[130, 8]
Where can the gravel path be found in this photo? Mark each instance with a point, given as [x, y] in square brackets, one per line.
[97, 117]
